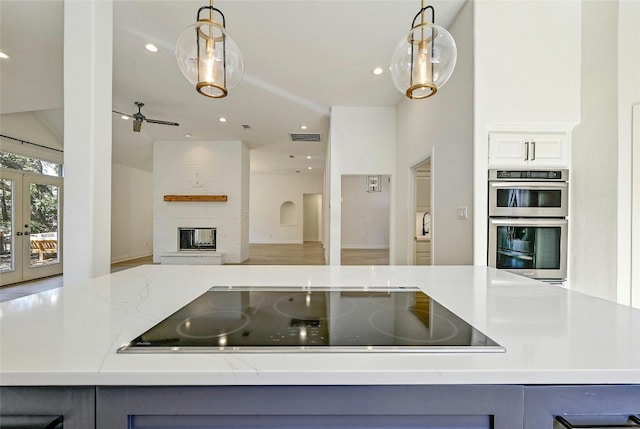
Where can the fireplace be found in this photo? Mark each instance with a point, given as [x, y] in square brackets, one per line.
[196, 239]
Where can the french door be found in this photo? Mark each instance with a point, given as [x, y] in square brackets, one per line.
[30, 227]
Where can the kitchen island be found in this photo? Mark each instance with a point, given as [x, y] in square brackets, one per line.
[561, 347]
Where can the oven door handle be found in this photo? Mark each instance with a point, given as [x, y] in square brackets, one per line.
[527, 222]
[530, 185]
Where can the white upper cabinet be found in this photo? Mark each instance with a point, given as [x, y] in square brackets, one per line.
[516, 149]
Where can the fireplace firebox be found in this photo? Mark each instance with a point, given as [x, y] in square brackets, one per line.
[196, 238]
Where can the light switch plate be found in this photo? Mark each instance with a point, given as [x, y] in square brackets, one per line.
[462, 212]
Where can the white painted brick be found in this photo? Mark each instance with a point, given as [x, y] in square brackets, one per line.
[201, 168]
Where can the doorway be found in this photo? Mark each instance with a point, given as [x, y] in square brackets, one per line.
[30, 233]
[312, 217]
[423, 225]
[365, 219]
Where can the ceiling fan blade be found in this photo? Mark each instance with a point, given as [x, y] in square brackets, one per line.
[120, 113]
[136, 126]
[155, 121]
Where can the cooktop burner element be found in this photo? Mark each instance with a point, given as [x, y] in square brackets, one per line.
[245, 319]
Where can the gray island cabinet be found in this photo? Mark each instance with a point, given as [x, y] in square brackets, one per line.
[565, 354]
[429, 407]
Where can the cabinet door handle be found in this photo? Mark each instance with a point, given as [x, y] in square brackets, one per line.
[526, 151]
[533, 151]
[564, 422]
[56, 423]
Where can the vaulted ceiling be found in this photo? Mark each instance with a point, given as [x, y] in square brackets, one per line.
[301, 58]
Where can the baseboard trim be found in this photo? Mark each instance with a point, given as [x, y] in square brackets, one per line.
[130, 257]
[365, 246]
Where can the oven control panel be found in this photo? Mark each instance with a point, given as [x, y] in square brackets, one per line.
[558, 175]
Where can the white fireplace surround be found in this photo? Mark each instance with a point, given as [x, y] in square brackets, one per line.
[201, 168]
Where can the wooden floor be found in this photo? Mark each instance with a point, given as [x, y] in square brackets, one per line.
[309, 253]
[364, 257]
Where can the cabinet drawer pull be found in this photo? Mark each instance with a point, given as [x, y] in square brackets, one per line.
[55, 423]
[526, 151]
[564, 422]
[533, 151]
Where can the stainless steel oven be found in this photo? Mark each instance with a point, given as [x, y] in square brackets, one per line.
[528, 223]
[532, 247]
[538, 193]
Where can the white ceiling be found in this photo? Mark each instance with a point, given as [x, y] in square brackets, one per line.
[301, 58]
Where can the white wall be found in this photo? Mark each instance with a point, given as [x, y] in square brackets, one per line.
[362, 141]
[634, 293]
[628, 96]
[131, 213]
[441, 127]
[365, 215]
[267, 193]
[527, 71]
[201, 168]
[593, 187]
[26, 126]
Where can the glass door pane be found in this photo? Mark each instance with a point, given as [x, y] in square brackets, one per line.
[11, 236]
[43, 197]
[43, 224]
[6, 225]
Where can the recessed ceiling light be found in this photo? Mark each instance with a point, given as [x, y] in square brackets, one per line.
[151, 47]
[187, 135]
[4, 55]
[308, 156]
[222, 119]
[303, 127]
[125, 117]
[309, 168]
[377, 71]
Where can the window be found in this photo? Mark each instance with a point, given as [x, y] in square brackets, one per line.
[28, 164]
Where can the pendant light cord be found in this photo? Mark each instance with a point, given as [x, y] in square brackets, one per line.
[422, 10]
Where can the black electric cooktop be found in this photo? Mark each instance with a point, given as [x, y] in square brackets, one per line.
[245, 319]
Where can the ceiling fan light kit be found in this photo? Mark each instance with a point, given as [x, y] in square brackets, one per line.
[424, 60]
[208, 56]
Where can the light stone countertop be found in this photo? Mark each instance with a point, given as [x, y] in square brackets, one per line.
[69, 336]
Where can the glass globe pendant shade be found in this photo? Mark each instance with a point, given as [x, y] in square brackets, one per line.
[423, 61]
[209, 58]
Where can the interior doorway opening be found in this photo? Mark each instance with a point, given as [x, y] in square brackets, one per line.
[423, 225]
[365, 219]
[311, 217]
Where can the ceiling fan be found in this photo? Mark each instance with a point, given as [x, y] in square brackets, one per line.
[138, 118]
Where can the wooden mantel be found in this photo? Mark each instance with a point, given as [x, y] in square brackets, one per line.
[220, 198]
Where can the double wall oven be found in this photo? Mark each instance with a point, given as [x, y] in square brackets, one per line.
[528, 223]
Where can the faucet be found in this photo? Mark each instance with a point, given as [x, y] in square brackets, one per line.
[424, 223]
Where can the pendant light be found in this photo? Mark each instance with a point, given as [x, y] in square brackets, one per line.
[424, 60]
[208, 56]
